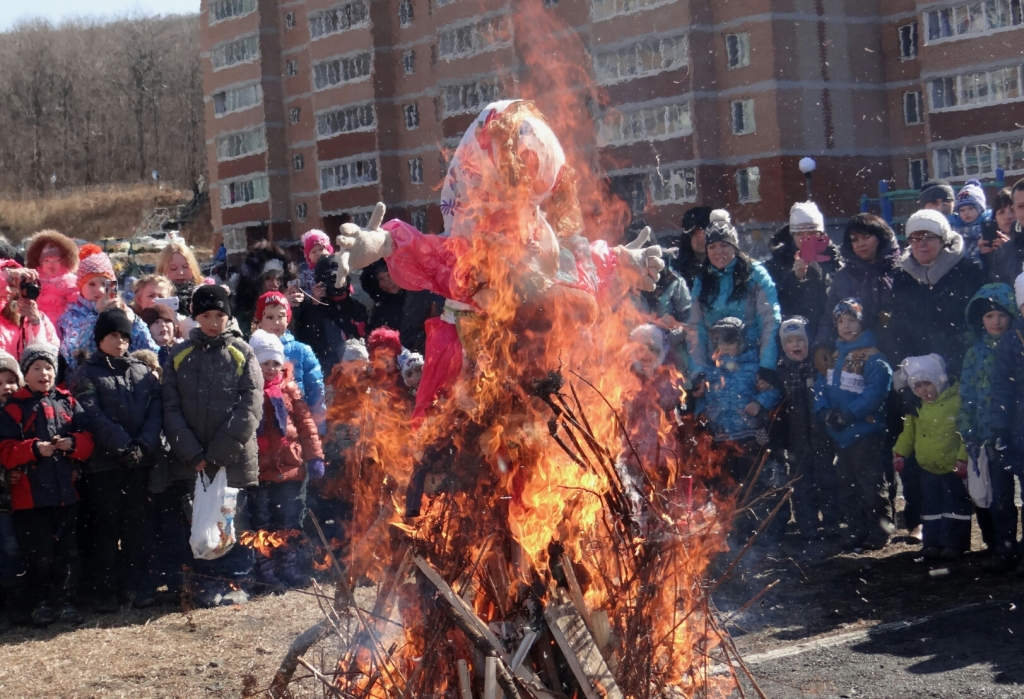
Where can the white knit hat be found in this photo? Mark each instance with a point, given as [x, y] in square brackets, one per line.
[9, 363]
[929, 221]
[793, 327]
[806, 217]
[929, 367]
[266, 347]
[355, 351]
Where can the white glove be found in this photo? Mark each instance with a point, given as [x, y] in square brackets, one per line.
[641, 266]
[360, 247]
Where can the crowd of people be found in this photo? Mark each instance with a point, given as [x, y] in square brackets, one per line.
[849, 364]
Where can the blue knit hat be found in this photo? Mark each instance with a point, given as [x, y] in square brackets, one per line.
[849, 307]
[971, 194]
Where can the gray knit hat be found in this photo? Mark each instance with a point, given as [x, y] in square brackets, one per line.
[934, 190]
[9, 363]
[721, 229]
[727, 330]
[36, 351]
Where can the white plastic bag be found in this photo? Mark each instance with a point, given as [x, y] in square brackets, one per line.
[978, 484]
[213, 516]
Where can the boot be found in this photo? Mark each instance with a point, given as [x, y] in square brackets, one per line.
[266, 577]
[289, 569]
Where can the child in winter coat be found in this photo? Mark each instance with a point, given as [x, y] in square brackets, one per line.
[970, 213]
[850, 397]
[95, 282]
[55, 258]
[178, 264]
[150, 288]
[162, 324]
[213, 403]
[12, 566]
[808, 447]
[44, 438]
[289, 449]
[411, 366]
[989, 315]
[315, 244]
[21, 321]
[274, 314]
[932, 436]
[124, 412]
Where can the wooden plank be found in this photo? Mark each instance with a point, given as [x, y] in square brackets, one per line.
[580, 651]
[465, 686]
[491, 678]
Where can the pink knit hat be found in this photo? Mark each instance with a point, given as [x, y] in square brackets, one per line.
[93, 262]
[313, 238]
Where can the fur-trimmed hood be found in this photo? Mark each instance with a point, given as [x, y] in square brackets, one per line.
[68, 249]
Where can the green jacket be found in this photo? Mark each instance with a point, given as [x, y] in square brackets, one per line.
[932, 435]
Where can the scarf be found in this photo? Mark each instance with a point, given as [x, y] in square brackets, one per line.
[272, 390]
[931, 274]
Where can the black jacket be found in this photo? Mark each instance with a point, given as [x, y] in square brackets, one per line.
[122, 401]
[387, 308]
[797, 430]
[1005, 264]
[419, 307]
[805, 297]
[686, 264]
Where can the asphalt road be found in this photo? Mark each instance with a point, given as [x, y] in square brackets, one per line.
[973, 651]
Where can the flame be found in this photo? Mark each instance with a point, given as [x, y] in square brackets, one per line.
[265, 541]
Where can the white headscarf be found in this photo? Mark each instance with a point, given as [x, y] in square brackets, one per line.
[930, 367]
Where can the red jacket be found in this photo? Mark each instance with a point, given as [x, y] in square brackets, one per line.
[283, 453]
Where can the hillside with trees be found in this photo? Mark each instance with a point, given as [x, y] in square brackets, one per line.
[95, 104]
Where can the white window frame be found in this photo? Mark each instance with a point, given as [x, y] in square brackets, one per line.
[338, 66]
[924, 167]
[349, 114]
[244, 7]
[289, 20]
[641, 59]
[747, 114]
[465, 39]
[406, 14]
[945, 23]
[909, 51]
[965, 89]
[601, 10]
[679, 183]
[744, 178]
[646, 122]
[238, 51]
[409, 62]
[239, 187]
[301, 211]
[471, 97]
[248, 142]
[234, 94]
[416, 170]
[411, 112]
[913, 100]
[339, 19]
[367, 161]
[742, 57]
[956, 163]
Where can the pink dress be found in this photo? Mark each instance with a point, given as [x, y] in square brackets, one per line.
[57, 293]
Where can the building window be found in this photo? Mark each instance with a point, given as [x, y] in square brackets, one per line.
[289, 20]
[470, 97]
[347, 174]
[228, 9]
[292, 68]
[748, 183]
[405, 14]
[606, 9]
[345, 120]
[471, 39]
[238, 145]
[908, 41]
[643, 58]
[743, 117]
[351, 15]
[301, 210]
[294, 114]
[913, 108]
[973, 18]
[298, 162]
[242, 50]
[237, 99]
[977, 89]
[241, 192]
[980, 159]
[342, 70]
[918, 170]
[672, 185]
[416, 170]
[412, 116]
[550, 3]
[419, 219]
[646, 124]
[361, 218]
[737, 46]
[409, 62]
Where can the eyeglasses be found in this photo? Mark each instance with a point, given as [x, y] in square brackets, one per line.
[923, 238]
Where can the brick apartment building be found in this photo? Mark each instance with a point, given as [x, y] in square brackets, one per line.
[316, 108]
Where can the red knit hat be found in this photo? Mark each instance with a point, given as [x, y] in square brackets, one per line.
[386, 339]
[272, 298]
[93, 262]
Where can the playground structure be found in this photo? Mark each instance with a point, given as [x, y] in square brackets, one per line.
[891, 204]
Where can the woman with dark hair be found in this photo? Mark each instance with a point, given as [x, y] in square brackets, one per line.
[388, 297]
[692, 244]
[870, 258]
[1003, 258]
[733, 285]
[265, 269]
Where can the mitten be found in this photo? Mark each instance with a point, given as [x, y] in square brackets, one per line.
[834, 420]
[898, 462]
[961, 469]
[132, 455]
[361, 247]
[769, 376]
[315, 469]
[641, 266]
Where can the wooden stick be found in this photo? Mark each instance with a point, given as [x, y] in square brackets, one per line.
[580, 651]
[465, 686]
[523, 649]
[491, 678]
[317, 674]
[302, 643]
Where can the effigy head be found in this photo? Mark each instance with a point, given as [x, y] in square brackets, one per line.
[509, 162]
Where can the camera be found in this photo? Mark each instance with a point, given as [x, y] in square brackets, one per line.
[30, 290]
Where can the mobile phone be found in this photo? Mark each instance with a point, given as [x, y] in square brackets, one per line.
[813, 247]
[989, 231]
[293, 284]
[171, 303]
[112, 289]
